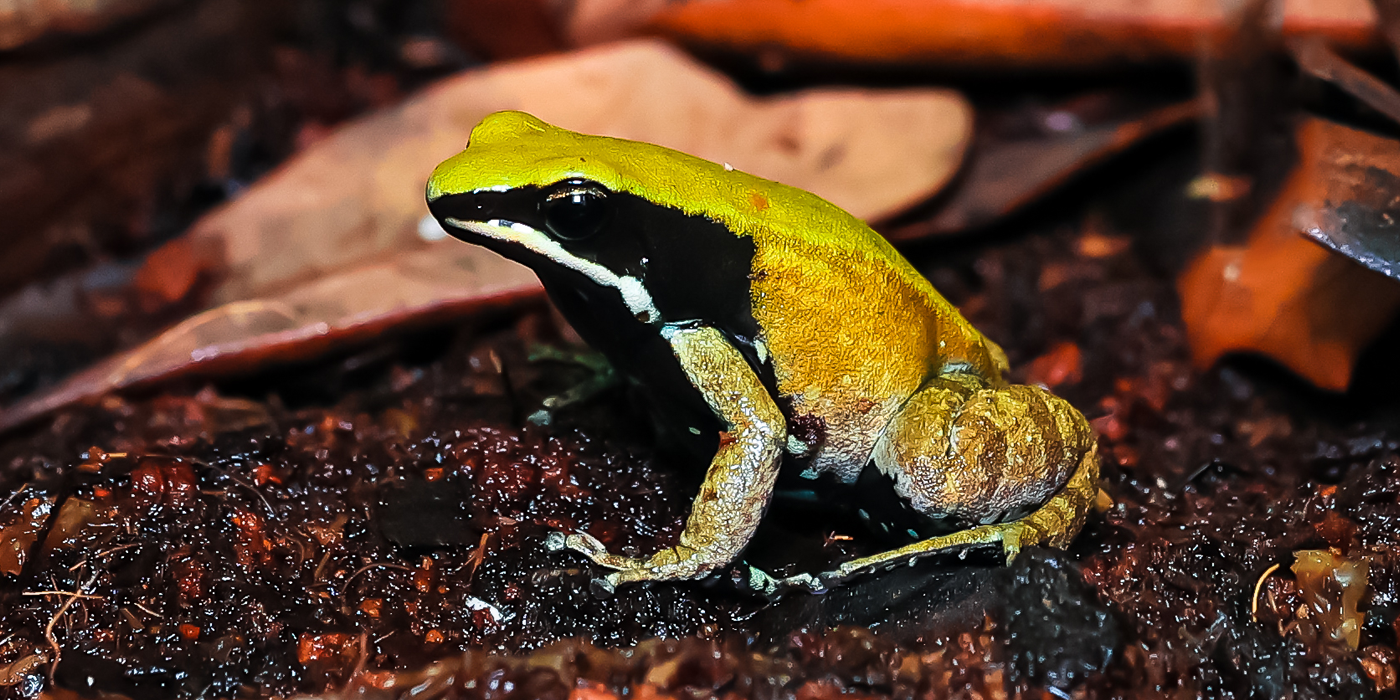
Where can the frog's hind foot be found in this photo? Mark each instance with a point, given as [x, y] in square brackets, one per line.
[775, 588]
[1054, 524]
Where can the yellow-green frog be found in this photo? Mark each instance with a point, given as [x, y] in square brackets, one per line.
[768, 316]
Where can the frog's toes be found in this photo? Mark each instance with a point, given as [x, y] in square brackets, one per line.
[820, 583]
[580, 542]
[590, 547]
[555, 541]
[1011, 542]
[603, 588]
[760, 581]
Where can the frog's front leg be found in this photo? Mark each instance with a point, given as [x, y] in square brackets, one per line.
[1016, 462]
[740, 478]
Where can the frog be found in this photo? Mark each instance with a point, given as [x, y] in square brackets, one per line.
[786, 329]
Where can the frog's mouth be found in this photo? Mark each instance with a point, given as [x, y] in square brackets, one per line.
[510, 238]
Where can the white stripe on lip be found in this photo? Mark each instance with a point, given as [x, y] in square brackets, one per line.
[634, 293]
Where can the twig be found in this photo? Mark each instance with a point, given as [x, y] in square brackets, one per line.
[1317, 59]
[1254, 605]
[147, 610]
[131, 619]
[270, 510]
[302, 556]
[67, 593]
[478, 556]
[73, 596]
[200, 463]
[17, 492]
[359, 664]
[321, 567]
[114, 550]
[375, 565]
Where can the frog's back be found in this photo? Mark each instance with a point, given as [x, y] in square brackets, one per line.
[853, 330]
[850, 327]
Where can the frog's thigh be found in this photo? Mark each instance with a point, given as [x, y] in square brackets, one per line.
[982, 455]
[740, 478]
[1054, 523]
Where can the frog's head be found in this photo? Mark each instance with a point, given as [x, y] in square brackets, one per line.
[669, 233]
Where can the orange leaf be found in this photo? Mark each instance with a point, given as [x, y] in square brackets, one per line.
[1283, 295]
[1034, 33]
[1061, 364]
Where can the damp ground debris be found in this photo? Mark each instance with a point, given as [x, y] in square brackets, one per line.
[373, 524]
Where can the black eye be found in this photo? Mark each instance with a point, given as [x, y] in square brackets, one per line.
[576, 210]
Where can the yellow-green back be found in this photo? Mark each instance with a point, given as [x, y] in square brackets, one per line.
[807, 247]
[514, 149]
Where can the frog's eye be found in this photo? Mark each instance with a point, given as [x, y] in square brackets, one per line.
[576, 209]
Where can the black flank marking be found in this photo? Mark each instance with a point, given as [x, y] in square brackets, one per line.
[695, 268]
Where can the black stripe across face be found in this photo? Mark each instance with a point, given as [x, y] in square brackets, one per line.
[694, 268]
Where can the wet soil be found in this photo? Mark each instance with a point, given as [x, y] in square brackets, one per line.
[341, 525]
[372, 524]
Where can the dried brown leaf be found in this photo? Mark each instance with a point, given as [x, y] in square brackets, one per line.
[430, 284]
[1003, 176]
[331, 247]
[359, 193]
[23, 21]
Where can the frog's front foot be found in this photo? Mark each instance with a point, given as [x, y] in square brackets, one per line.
[675, 563]
[601, 377]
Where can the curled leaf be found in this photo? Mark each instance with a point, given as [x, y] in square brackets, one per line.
[359, 193]
[421, 286]
[1005, 175]
[337, 244]
[1282, 295]
[987, 33]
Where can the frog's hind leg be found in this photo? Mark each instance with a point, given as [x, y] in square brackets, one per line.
[1055, 523]
[1017, 459]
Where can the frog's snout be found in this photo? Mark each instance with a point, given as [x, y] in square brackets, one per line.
[457, 211]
